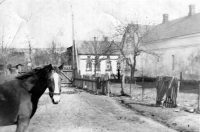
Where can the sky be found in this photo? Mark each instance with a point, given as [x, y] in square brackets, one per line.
[42, 21]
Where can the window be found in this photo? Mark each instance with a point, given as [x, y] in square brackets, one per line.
[108, 67]
[89, 64]
[108, 64]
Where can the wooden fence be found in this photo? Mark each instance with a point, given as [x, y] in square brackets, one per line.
[98, 85]
[67, 67]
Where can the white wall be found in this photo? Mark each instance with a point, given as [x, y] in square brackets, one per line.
[185, 50]
[83, 59]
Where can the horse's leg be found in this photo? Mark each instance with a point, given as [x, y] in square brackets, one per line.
[24, 115]
[22, 124]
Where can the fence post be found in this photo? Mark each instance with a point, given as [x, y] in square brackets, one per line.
[177, 94]
[142, 88]
[82, 81]
[108, 87]
[87, 83]
[198, 110]
[122, 84]
[73, 83]
[93, 87]
[102, 85]
[97, 83]
[157, 86]
[181, 79]
[90, 83]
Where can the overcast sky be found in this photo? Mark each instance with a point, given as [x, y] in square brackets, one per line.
[42, 21]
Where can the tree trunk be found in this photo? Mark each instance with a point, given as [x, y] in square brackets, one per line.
[132, 73]
[131, 81]
[122, 84]
[118, 74]
[131, 78]
[95, 71]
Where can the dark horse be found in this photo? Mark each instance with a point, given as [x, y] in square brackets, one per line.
[19, 98]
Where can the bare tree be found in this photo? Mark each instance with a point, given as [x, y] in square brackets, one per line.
[41, 57]
[100, 49]
[51, 55]
[30, 47]
[2, 2]
[131, 46]
[5, 47]
[54, 55]
[6, 40]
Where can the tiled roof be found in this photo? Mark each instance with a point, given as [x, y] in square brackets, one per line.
[179, 27]
[87, 47]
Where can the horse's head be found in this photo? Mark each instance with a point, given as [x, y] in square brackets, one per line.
[54, 83]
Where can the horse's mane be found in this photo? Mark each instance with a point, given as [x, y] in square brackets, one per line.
[29, 74]
[37, 72]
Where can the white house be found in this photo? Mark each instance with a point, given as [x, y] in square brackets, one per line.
[88, 50]
[177, 42]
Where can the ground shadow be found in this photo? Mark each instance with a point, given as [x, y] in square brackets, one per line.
[65, 92]
[120, 95]
[143, 104]
[146, 85]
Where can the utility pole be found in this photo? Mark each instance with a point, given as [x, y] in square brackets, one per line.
[73, 45]
[74, 51]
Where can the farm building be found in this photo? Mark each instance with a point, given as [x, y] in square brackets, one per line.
[14, 60]
[177, 45]
[66, 57]
[104, 50]
[17, 58]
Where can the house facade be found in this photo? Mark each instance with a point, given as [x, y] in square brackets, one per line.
[107, 65]
[176, 47]
[108, 57]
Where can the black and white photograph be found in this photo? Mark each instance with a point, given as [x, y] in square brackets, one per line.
[99, 66]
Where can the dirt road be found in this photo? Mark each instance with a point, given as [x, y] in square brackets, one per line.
[84, 112]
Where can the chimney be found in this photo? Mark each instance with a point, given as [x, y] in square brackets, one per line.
[191, 10]
[165, 18]
[105, 38]
[95, 38]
